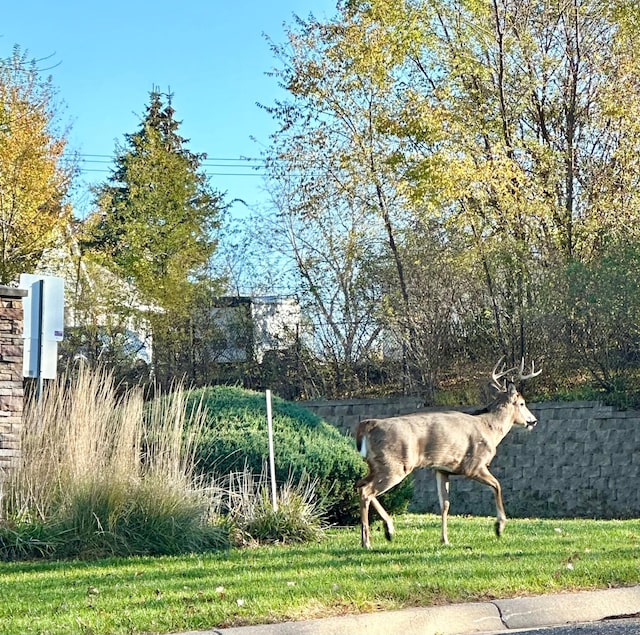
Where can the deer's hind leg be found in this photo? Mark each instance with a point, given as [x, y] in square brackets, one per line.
[370, 487]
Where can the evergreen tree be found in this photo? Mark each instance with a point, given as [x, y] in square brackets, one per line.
[157, 212]
[156, 227]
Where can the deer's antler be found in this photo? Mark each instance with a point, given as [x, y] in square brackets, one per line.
[533, 373]
[520, 376]
[497, 376]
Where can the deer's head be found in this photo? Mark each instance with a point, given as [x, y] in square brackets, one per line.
[509, 395]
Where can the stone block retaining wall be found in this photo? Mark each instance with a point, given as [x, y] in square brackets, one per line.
[347, 413]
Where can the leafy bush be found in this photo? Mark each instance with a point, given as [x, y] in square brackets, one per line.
[234, 437]
[592, 311]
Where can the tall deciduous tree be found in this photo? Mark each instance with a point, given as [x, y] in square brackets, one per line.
[544, 154]
[348, 217]
[34, 179]
[507, 127]
[535, 139]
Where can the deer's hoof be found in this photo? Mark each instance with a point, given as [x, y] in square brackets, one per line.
[499, 527]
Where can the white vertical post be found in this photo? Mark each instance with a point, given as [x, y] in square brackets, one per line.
[272, 463]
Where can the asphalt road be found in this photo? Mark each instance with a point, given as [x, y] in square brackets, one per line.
[605, 627]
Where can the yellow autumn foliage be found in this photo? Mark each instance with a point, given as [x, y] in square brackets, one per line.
[33, 179]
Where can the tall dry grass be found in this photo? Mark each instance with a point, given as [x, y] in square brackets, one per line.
[109, 475]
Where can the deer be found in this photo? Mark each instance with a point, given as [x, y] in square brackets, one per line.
[448, 442]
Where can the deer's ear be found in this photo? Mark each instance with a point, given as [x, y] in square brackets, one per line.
[489, 391]
[512, 390]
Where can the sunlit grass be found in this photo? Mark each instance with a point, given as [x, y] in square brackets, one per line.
[332, 577]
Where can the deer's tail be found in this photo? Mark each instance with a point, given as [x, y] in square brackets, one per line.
[362, 431]
[361, 434]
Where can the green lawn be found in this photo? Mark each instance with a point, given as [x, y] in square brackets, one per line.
[270, 584]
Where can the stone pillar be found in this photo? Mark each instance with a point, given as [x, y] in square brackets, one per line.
[11, 380]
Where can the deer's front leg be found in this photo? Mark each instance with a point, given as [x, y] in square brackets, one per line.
[489, 479]
[442, 480]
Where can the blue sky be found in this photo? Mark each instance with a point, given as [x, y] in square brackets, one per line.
[211, 54]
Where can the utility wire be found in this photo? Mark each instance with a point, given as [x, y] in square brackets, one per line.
[251, 164]
[109, 158]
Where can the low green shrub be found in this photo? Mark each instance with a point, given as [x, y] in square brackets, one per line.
[234, 437]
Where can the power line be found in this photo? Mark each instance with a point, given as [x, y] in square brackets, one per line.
[253, 165]
[105, 171]
[109, 158]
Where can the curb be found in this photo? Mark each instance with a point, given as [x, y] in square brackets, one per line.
[586, 606]
[462, 619]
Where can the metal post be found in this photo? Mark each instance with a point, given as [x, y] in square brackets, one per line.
[272, 463]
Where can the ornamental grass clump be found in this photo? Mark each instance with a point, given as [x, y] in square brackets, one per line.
[298, 516]
[104, 475]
